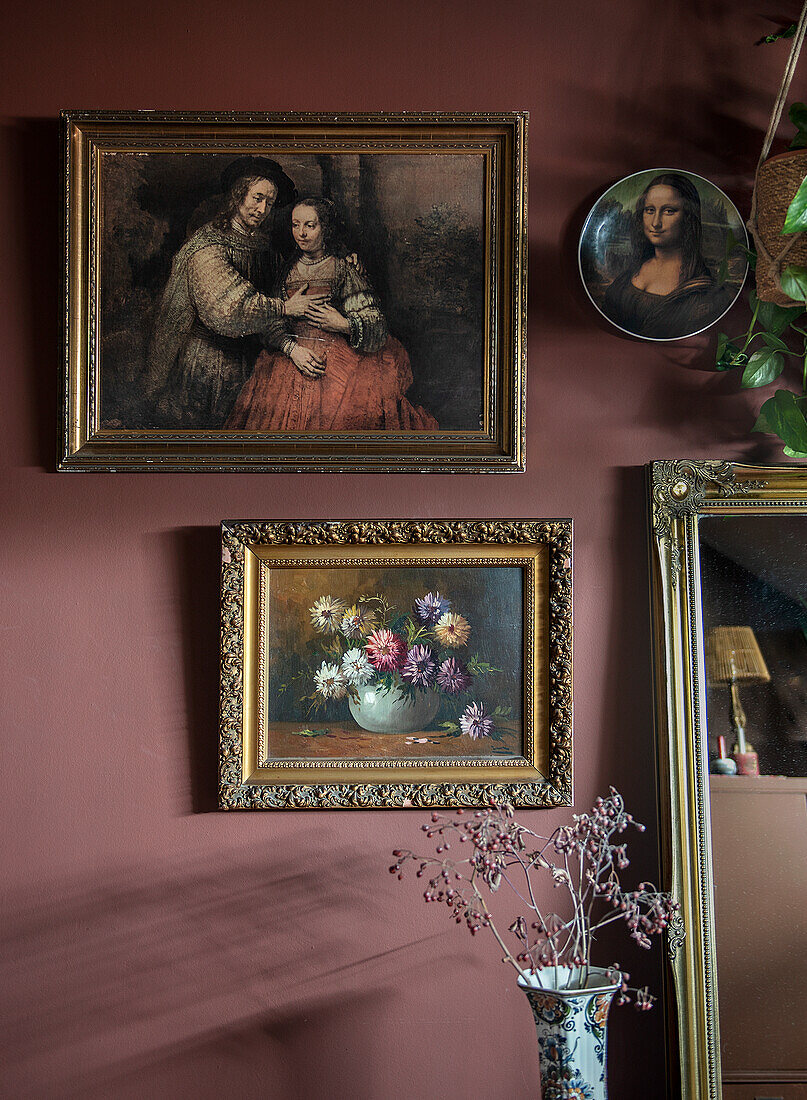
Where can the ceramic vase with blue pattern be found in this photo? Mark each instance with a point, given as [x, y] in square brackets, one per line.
[571, 1025]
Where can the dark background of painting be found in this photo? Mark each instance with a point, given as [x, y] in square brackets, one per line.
[416, 221]
[152, 945]
[490, 598]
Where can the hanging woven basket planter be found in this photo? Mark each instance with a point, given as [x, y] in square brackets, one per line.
[775, 186]
[777, 182]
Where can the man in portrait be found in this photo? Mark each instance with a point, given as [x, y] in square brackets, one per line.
[218, 300]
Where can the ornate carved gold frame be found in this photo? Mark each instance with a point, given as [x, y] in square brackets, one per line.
[498, 444]
[542, 777]
[680, 493]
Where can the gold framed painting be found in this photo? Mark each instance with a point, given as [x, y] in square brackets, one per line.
[294, 291]
[394, 663]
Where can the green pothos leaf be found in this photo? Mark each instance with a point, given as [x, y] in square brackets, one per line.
[796, 217]
[729, 355]
[798, 116]
[794, 282]
[784, 415]
[764, 367]
[775, 319]
[785, 32]
[775, 342]
[794, 454]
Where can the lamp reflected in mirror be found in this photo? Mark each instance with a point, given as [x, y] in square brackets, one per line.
[733, 657]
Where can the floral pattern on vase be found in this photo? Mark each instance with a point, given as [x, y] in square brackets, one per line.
[572, 1034]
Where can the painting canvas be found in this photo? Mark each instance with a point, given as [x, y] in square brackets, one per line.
[395, 662]
[663, 254]
[409, 663]
[254, 292]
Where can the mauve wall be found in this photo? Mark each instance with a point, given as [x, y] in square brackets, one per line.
[154, 946]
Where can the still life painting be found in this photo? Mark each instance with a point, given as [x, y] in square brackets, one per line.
[391, 662]
[275, 291]
[380, 663]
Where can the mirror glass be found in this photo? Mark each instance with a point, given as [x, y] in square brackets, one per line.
[753, 570]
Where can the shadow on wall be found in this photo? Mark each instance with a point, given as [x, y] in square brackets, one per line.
[636, 1047]
[196, 554]
[218, 979]
[31, 154]
[714, 136]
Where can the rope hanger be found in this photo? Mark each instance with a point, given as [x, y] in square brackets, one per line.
[774, 262]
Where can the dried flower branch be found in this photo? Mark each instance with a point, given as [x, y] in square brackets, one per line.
[584, 860]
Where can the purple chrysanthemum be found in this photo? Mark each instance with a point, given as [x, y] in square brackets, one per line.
[430, 608]
[453, 676]
[420, 667]
[475, 721]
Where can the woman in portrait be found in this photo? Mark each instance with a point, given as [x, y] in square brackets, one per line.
[667, 290]
[218, 300]
[335, 368]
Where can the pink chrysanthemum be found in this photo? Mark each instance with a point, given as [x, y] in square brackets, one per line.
[386, 650]
[453, 677]
[475, 722]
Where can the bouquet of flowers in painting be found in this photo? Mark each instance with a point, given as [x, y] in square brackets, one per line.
[417, 669]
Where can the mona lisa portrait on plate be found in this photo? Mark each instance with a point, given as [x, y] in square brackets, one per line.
[662, 254]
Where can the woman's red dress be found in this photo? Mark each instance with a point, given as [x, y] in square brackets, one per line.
[359, 391]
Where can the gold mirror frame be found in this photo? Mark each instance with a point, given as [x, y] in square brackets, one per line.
[680, 492]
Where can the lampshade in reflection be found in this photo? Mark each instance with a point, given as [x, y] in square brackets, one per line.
[733, 657]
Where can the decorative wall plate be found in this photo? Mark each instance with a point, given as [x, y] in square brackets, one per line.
[663, 254]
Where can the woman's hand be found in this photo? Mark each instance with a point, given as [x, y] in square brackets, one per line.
[354, 261]
[307, 362]
[323, 315]
[300, 304]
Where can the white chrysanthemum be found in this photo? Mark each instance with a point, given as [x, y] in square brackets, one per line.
[327, 612]
[330, 682]
[356, 668]
[358, 621]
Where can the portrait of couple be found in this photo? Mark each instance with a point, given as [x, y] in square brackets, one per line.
[236, 300]
[659, 255]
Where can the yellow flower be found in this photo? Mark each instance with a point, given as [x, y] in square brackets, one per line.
[358, 621]
[452, 630]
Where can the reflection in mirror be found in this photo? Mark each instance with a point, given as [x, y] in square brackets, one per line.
[754, 604]
[754, 575]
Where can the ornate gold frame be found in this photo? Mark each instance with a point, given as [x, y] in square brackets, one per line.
[498, 445]
[679, 493]
[541, 778]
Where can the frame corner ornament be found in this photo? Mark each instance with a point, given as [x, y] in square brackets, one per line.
[679, 488]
